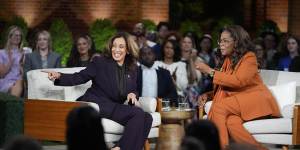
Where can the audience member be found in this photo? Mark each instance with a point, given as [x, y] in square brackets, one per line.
[270, 43]
[172, 35]
[82, 51]
[240, 94]
[188, 45]
[114, 79]
[84, 130]
[10, 63]
[206, 50]
[154, 81]
[140, 32]
[290, 50]
[22, 143]
[171, 61]
[162, 31]
[261, 54]
[206, 132]
[43, 55]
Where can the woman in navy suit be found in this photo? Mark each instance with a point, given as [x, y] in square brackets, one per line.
[113, 82]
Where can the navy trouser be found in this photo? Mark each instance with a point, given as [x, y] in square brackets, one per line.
[137, 125]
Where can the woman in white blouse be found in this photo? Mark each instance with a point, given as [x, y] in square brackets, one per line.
[171, 61]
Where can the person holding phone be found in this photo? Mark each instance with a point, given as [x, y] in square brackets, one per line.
[113, 77]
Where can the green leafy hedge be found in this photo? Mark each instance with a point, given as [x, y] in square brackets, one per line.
[11, 116]
[101, 30]
[61, 38]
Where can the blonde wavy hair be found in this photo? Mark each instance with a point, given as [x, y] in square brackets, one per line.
[10, 33]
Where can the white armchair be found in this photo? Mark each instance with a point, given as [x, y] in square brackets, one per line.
[284, 130]
[47, 107]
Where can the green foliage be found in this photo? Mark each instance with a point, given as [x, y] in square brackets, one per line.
[190, 26]
[149, 25]
[15, 21]
[268, 26]
[61, 39]
[101, 30]
[221, 23]
[182, 10]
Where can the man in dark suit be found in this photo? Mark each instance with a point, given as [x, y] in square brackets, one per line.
[154, 81]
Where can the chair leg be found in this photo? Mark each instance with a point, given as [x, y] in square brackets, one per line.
[285, 147]
[147, 145]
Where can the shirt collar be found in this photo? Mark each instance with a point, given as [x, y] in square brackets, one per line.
[153, 67]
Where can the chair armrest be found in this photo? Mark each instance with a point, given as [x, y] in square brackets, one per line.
[159, 105]
[148, 104]
[46, 119]
[296, 125]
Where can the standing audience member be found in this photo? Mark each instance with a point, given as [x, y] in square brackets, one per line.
[85, 130]
[43, 55]
[289, 51]
[206, 132]
[171, 61]
[22, 143]
[240, 94]
[114, 81]
[10, 63]
[82, 52]
[154, 81]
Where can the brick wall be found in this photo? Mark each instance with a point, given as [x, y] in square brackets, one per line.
[294, 17]
[78, 14]
[276, 10]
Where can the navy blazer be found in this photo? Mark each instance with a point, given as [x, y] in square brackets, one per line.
[102, 71]
[165, 85]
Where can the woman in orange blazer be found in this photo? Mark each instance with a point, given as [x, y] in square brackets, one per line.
[239, 93]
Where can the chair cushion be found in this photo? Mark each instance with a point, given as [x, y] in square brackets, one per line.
[288, 111]
[285, 94]
[278, 125]
[282, 139]
[207, 106]
[110, 126]
[148, 104]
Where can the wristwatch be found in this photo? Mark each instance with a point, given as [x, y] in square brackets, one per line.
[212, 73]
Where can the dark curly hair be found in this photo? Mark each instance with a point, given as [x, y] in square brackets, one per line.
[176, 48]
[243, 44]
[131, 46]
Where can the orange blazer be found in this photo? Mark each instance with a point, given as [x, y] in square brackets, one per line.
[245, 85]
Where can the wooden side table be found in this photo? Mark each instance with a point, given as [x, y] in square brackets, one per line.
[172, 128]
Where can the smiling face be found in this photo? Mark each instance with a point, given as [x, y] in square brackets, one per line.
[15, 38]
[83, 46]
[226, 43]
[119, 50]
[42, 42]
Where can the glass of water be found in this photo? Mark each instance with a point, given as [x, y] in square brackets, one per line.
[166, 105]
[183, 104]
